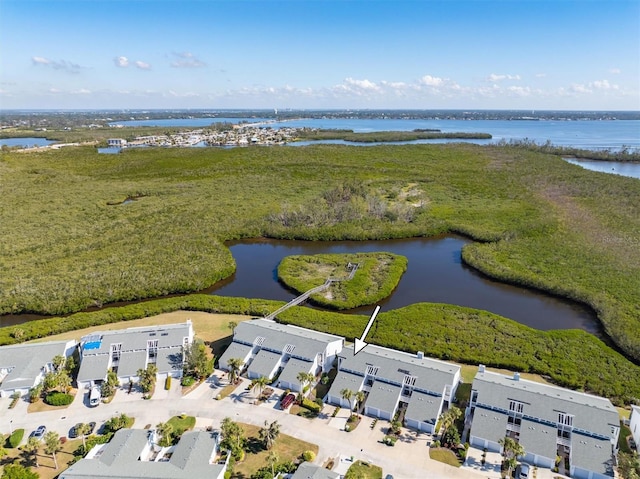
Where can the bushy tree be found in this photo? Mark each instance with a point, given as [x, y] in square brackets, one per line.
[511, 450]
[18, 471]
[196, 362]
[147, 377]
[233, 438]
[165, 430]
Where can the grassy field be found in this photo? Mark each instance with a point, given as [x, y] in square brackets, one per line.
[46, 469]
[363, 470]
[444, 455]
[376, 277]
[286, 447]
[540, 221]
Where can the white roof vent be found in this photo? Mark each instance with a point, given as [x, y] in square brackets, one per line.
[420, 355]
[481, 368]
[516, 376]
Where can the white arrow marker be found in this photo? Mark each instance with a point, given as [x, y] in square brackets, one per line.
[359, 343]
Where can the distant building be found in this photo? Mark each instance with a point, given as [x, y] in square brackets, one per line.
[634, 424]
[133, 453]
[127, 350]
[116, 142]
[23, 366]
[271, 349]
[393, 380]
[548, 421]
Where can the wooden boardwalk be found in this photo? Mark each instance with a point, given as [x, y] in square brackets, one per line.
[352, 267]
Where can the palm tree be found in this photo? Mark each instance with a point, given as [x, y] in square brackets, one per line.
[272, 460]
[511, 450]
[83, 430]
[360, 395]
[269, 433]
[52, 445]
[165, 429]
[259, 384]
[31, 448]
[347, 394]
[232, 326]
[234, 365]
[448, 420]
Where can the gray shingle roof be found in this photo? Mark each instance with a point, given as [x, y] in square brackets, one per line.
[136, 338]
[93, 368]
[432, 375]
[263, 363]
[96, 349]
[130, 362]
[306, 470]
[293, 368]
[538, 438]
[307, 343]
[383, 396]
[235, 350]
[544, 401]
[423, 407]
[26, 362]
[345, 380]
[591, 454]
[120, 459]
[489, 425]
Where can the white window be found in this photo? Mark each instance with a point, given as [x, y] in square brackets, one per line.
[516, 407]
[116, 350]
[152, 349]
[565, 419]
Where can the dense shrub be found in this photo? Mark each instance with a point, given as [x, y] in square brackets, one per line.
[309, 456]
[187, 381]
[15, 438]
[57, 398]
[167, 383]
[310, 405]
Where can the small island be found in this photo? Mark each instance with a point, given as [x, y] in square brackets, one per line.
[376, 277]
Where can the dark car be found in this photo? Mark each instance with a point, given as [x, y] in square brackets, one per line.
[75, 430]
[39, 433]
[287, 401]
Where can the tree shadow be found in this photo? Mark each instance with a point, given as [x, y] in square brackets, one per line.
[254, 445]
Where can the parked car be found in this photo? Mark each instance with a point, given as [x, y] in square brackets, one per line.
[39, 433]
[94, 396]
[287, 400]
[75, 430]
[524, 471]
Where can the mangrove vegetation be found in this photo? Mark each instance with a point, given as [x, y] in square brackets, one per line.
[376, 276]
[538, 221]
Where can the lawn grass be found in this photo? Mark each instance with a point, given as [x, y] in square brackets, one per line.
[377, 276]
[287, 448]
[442, 454]
[182, 423]
[47, 468]
[363, 470]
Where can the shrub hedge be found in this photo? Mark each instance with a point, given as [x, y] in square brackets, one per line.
[57, 398]
[15, 438]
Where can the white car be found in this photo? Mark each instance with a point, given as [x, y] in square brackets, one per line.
[524, 471]
[94, 396]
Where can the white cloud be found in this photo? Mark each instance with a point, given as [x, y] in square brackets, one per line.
[122, 62]
[615, 71]
[495, 77]
[362, 84]
[603, 85]
[541, 75]
[143, 65]
[431, 81]
[186, 60]
[578, 88]
[63, 65]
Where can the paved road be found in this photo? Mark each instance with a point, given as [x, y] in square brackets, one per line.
[409, 458]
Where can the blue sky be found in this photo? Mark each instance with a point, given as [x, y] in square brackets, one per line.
[475, 54]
